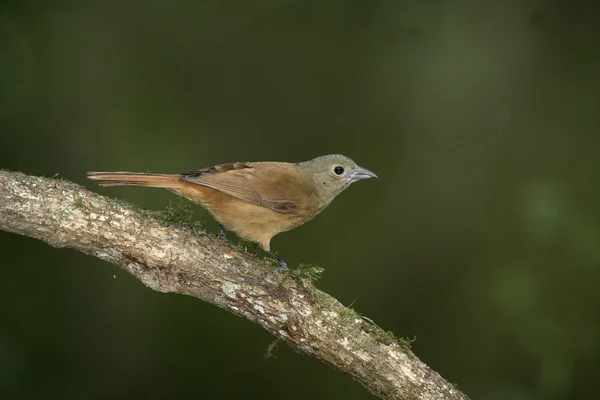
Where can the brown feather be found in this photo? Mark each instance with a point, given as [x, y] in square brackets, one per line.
[282, 187]
[249, 221]
[135, 179]
[256, 200]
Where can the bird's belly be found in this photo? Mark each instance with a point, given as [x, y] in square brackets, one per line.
[249, 221]
[255, 223]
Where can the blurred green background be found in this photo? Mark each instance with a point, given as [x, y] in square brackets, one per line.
[481, 236]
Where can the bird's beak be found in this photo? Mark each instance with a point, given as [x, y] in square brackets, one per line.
[362, 173]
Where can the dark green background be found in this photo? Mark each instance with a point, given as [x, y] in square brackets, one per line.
[481, 237]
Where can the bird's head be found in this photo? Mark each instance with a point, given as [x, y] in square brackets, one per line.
[334, 173]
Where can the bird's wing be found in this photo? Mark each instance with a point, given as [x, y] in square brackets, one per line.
[269, 184]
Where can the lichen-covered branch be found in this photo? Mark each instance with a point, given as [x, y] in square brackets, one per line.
[181, 260]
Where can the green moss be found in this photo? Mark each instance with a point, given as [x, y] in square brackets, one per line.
[249, 247]
[179, 212]
[306, 273]
[350, 312]
[388, 337]
[385, 337]
[78, 202]
[407, 342]
[273, 346]
[86, 203]
[304, 276]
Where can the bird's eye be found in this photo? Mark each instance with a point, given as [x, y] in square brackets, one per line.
[338, 170]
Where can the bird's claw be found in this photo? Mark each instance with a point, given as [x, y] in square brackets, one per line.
[222, 233]
[282, 264]
[282, 267]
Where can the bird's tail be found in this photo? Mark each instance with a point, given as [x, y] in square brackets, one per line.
[135, 179]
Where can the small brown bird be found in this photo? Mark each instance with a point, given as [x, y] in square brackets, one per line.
[256, 200]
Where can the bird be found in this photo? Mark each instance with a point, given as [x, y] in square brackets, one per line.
[256, 200]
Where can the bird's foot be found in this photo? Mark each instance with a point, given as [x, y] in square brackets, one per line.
[282, 267]
[282, 264]
[222, 233]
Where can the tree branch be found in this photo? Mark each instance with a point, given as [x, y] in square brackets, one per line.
[178, 260]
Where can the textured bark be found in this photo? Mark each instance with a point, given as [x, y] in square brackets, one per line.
[177, 259]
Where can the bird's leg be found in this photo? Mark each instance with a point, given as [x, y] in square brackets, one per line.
[282, 264]
[222, 233]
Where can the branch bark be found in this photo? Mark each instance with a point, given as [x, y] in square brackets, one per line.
[177, 259]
